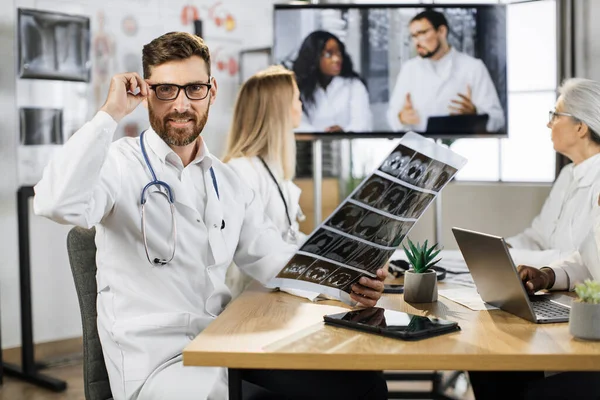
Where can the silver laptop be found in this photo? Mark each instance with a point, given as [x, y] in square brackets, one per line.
[498, 281]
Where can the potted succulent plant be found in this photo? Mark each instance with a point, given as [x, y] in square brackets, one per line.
[420, 282]
[584, 319]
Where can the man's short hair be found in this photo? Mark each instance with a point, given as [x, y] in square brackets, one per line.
[173, 46]
[436, 18]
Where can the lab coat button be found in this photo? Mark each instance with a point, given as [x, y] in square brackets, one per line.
[191, 337]
[215, 226]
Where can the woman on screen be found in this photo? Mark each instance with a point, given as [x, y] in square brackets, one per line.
[261, 149]
[334, 97]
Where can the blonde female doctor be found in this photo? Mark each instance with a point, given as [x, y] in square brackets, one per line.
[261, 149]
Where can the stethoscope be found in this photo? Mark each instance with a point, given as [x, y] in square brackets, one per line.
[291, 236]
[168, 194]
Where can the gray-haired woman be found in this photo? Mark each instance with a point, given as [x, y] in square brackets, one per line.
[570, 215]
[563, 222]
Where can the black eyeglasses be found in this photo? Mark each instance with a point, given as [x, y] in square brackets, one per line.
[170, 91]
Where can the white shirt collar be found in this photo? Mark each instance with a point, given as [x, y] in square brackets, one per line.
[583, 172]
[162, 150]
[443, 66]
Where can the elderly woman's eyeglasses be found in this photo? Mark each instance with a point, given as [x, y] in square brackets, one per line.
[552, 115]
[170, 91]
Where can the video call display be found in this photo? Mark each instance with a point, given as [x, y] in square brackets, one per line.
[438, 70]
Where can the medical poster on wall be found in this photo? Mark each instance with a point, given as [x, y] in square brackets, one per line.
[361, 235]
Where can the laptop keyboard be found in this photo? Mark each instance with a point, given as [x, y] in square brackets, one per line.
[546, 309]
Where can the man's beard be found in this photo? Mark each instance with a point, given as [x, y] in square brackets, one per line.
[177, 136]
[432, 53]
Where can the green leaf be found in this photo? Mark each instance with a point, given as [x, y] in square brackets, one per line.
[432, 256]
[588, 291]
[431, 264]
[430, 250]
[410, 257]
[414, 250]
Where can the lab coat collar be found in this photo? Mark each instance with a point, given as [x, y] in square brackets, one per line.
[336, 82]
[584, 173]
[162, 150]
[444, 64]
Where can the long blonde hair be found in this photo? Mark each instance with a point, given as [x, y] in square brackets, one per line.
[262, 120]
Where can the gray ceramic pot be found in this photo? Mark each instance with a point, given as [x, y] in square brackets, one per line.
[420, 288]
[584, 320]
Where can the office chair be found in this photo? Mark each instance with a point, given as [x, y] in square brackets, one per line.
[82, 257]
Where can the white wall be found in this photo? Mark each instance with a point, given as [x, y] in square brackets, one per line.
[502, 209]
[56, 313]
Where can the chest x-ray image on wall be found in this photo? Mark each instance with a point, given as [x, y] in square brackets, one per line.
[363, 232]
[40, 126]
[53, 46]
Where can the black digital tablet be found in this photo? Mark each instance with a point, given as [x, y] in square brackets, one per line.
[391, 323]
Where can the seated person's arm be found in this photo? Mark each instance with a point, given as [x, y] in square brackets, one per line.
[565, 274]
[81, 183]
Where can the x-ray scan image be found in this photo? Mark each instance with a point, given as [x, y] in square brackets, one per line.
[343, 249]
[393, 198]
[415, 170]
[296, 267]
[444, 176]
[369, 225]
[390, 233]
[365, 257]
[40, 126]
[346, 217]
[430, 176]
[372, 190]
[321, 242]
[404, 209]
[420, 205]
[318, 271]
[53, 45]
[397, 161]
[342, 278]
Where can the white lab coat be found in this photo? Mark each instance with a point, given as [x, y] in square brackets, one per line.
[584, 263]
[345, 102]
[148, 314]
[255, 175]
[433, 84]
[564, 220]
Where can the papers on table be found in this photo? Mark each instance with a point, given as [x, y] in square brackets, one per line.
[468, 297]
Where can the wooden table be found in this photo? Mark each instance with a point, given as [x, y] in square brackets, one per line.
[280, 331]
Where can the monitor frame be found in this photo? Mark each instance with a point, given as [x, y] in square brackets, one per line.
[392, 134]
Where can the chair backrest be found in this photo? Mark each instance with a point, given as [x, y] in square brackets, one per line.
[82, 257]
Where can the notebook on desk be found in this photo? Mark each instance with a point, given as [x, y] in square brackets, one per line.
[498, 282]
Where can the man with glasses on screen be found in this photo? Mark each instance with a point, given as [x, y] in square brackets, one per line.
[170, 218]
[442, 81]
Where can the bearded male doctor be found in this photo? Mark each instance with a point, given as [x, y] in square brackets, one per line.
[161, 265]
[441, 81]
